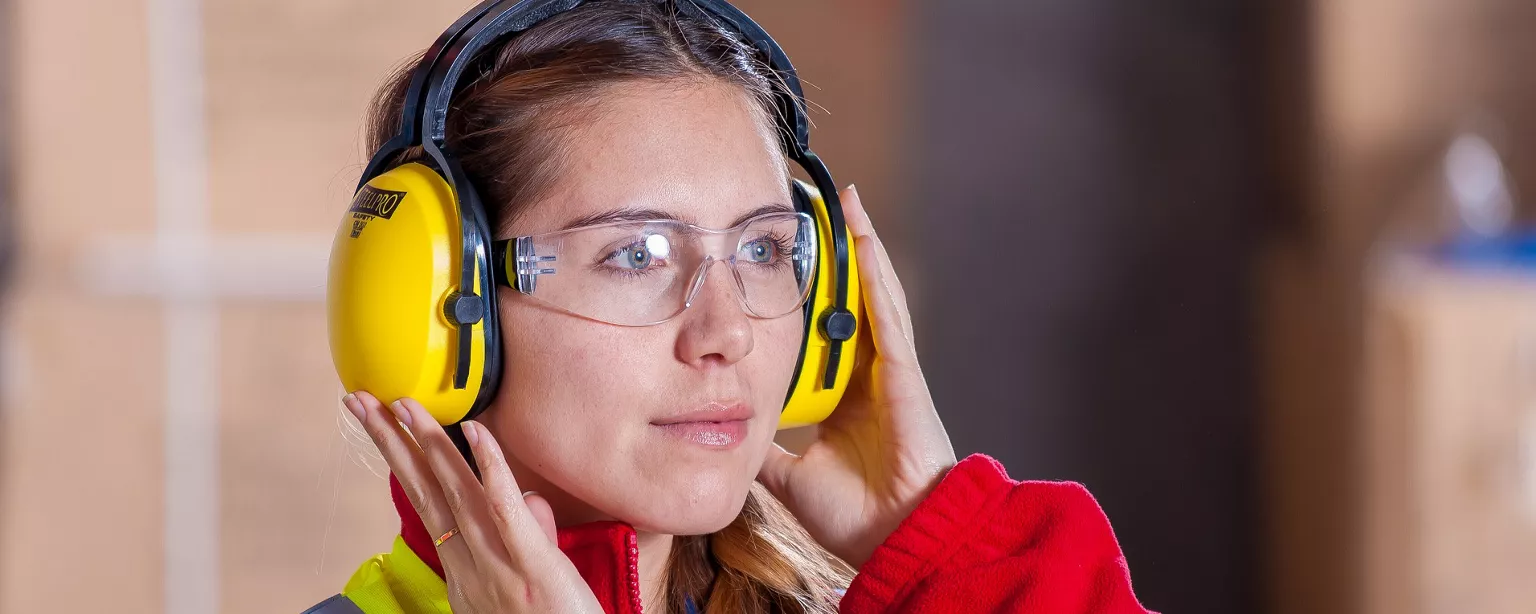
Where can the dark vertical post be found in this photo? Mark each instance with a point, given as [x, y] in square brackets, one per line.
[1088, 174]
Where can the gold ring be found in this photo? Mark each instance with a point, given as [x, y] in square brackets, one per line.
[446, 536]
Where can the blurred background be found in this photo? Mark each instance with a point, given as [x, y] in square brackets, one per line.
[1258, 273]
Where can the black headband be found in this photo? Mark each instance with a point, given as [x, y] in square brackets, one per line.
[425, 110]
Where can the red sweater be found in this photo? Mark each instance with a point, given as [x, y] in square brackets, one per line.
[980, 542]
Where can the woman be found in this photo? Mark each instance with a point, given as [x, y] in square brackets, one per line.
[635, 466]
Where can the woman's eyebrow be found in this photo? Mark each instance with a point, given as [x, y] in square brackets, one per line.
[763, 210]
[619, 215]
[645, 215]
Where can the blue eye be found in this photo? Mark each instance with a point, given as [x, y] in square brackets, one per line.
[761, 251]
[635, 257]
[641, 255]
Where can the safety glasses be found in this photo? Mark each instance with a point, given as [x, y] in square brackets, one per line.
[647, 272]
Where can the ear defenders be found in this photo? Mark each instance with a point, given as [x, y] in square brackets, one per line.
[411, 299]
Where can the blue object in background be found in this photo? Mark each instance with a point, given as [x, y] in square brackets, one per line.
[1516, 249]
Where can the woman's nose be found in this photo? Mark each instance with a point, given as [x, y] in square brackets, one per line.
[714, 327]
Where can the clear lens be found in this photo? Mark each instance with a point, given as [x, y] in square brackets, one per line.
[773, 262]
[639, 273]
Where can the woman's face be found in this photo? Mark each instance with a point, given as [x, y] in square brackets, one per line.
[589, 413]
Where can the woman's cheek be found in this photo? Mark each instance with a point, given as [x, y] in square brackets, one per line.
[771, 369]
[779, 342]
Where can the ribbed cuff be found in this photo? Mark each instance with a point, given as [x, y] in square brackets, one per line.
[943, 523]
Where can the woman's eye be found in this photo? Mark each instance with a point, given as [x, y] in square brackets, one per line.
[634, 257]
[641, 255]
[761, 251]
[637, 257]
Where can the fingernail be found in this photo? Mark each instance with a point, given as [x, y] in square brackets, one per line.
[472, 434]
[529, 492]
[350, 401]
[400, 413]
[853, 188]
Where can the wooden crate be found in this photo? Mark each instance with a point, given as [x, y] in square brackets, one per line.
[1449, 438]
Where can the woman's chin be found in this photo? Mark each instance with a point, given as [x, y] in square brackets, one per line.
[687, 511]
[689, 524]
[661, 491]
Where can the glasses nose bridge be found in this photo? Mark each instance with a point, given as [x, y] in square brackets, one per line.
[718, 244]
[702, 274]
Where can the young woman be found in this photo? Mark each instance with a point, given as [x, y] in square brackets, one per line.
[624, 467]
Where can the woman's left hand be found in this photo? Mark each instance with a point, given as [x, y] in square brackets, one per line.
[884, 449]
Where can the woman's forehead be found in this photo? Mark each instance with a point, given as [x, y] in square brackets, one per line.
[696, 152]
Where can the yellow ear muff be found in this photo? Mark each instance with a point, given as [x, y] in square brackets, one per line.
[394, 262]
[810, 403]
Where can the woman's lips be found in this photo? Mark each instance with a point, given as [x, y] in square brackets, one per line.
[719, 426]
[713, 435]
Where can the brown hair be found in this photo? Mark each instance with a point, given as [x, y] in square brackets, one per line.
[504, 130]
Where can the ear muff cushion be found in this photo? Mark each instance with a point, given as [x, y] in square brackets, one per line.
[395, 260]
[809, 403]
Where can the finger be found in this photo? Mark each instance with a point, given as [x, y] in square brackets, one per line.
[854, 213]
[861, 227]
[405, 460]
[891, 278]
[774, 474]
[462, 493]
[521, 534]
[893, 282]
[539, 507]
[890, 328]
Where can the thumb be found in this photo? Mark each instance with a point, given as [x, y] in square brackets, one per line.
[543, 514]
[776, 469]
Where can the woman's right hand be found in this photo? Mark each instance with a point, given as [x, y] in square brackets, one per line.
[505, 558]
